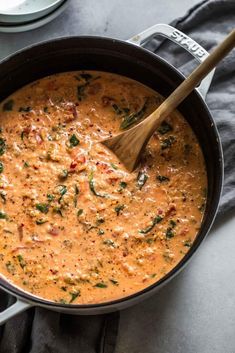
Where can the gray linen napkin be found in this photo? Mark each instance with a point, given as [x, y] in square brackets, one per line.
[42, 331]
[208, 23]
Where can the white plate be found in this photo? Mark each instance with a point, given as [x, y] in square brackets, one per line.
[18, 11]
[35, 24]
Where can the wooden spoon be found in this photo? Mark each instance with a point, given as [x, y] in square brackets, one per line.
[129, 145]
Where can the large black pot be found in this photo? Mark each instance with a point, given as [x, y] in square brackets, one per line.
[128, 59]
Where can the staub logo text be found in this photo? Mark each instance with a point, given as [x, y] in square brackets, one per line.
[188, 43]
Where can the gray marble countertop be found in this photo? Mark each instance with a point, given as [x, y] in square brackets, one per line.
[195, 313]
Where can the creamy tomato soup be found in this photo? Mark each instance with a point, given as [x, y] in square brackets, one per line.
[75, 226]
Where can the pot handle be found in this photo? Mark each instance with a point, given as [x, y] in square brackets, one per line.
[178, 37]
[18, 307]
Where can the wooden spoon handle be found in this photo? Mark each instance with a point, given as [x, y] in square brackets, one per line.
[183, 90]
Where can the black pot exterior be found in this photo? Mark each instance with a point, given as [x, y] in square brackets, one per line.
[104, 54]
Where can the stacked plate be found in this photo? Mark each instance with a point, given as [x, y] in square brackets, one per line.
[24, 15]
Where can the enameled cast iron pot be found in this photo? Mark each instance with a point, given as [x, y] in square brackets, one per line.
[128, 59]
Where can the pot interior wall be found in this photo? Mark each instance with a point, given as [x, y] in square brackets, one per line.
[122, 58]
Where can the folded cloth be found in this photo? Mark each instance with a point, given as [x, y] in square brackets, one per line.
[42, 331]
[208, 23]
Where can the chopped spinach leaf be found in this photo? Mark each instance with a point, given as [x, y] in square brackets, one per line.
[58, 210]
[50, 197]
[25, 109]
[113, 166]
[74, 295]
[3, 215]
[118, 209]
[3, 196]
[122, 185]
[167, 143]
[73, 141]
[164, 128]
[155, 221]
[188, 243]
[76, 193]
[162, 178]
[100, 285]
[2, 146]
[116, 108]
[92, 186]
[79, 212]
[21, 261]
[62, 191]
[42, 207]
[169, 233]
[133, 118]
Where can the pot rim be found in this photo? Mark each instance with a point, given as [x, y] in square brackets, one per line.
[38, 301]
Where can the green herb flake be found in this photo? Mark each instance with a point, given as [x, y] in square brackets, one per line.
[79, 212]
[3, 215]
[162, 178]
[114, 281]
[155, 221]
[74, 296]
[42, 207]
[164, 128]
[26, 165]
[73, 141]
[8, 106]
[100, 285]
[21, 261]
[1, 167]
[141, 179]
[2, 146]
[118, 209]
[100, 232]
